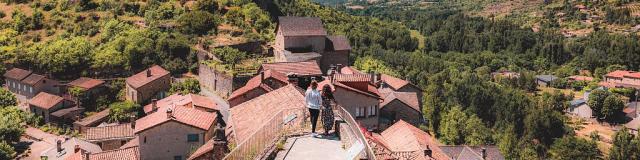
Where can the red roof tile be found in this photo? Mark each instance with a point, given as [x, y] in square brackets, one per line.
[184, 101]
[86, 83]
[301, 26]
[131, 153]
[33, 79]
[204, 149]
[140, 79]
[307, 68]
[617, 73]
[403, 136]
[188, 116]
[256, 83]
[121, 131]
[352, 77]
[17, 74]
[350, 70]
[371, 91]
[633, 75]
[395, 83]
[248, 117]
[45, 100]
[94, 119]
[338, 43]
[408, 98]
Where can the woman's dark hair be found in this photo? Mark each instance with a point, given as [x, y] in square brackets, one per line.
[326, 91]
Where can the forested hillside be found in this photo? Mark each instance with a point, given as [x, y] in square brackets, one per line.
[462, 104]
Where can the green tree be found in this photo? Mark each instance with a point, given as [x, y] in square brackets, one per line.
[121, 111]
[10, 124]
[452, 127]
[570, 147]
[186, 87]
[544, 125]
[7, 98]
[37, 19]
[230, 55]
[622, 148]
[596, 101]
[612, 107]
[6, 151]
[63, 56]
[370, 64]
[476, 132]
[20, 21]
[198, 22]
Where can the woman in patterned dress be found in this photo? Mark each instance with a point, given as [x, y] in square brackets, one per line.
[327, 110]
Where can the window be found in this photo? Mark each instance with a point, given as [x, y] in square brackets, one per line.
[361, 112]
[177, 157]
[372, 110]
[145, 139]
[192, 138]
[30, 89]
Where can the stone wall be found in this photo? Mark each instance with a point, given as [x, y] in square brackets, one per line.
[249, 47]
[154, 89]
[333, 58]
[351, 100]
[397, 110]
[169, 140]
[219, 82]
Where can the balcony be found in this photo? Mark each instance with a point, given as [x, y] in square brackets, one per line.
[286, 136]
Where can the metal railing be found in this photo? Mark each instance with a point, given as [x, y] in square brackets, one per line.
[354, 127]
[256, 145]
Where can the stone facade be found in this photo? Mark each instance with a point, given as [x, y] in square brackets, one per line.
[29, 91]
[111, 144]
[219, 82]
[334, 58]
[396, 110]
[169, 141]
[46, 113]
[352, 101]
[153, 89]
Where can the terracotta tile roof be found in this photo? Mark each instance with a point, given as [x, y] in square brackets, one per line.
[121, 131]
[633, 124]
[581, 78]
[86, 83]
[249, 116]
[75, 156]
[338, 43]
[184, 101]
[33, 79]
[68, 148]
[350, 70]
[408, 98]
[617, 74]
[135, 142]
[141, 79]
[94, 119]
[371, 91]
[256, 83]
[301, 26]
[204, 149]
[633, 75]
[68, 112]
[395, 83]
[17, 74]
[131, 153]
[352, 77]
[403, 136]
[45, 100]
[188, 116]
[307, 68]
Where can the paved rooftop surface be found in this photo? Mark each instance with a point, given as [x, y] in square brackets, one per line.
[310, 148]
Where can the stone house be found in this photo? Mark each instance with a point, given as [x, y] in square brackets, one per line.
[90, 86]
[66, 148]
[44, 104]
[400, 106]
[178, 100]
[399, 85]
[148, 84]
[173, 132]
[357, 94]
[304, 71]
[620, 78]
[218, 81]
[28, 84]
[94, 120]
[110, 137]
[266, 81]
[304, 38]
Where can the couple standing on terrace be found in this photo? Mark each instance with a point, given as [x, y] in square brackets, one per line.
[317, 100]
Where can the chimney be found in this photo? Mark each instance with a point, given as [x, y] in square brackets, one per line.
[372, 77]
[76, 148]
[59, 145]
[148, 72]
[428, 152]
[339, 68]
[293, 78]
[484, 153]
[85, 155]
[154, 105]
[132, 121]
[169, 113]
[261, 77]
[332, 72]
